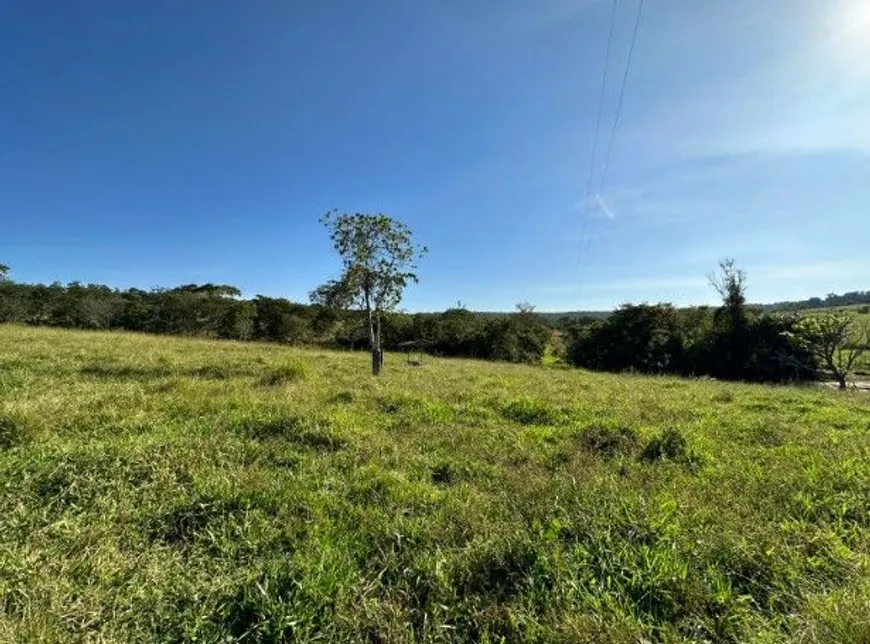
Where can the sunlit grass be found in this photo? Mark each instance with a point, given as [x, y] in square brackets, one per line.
[163, 489]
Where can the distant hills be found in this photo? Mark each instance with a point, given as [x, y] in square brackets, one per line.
[832, 300]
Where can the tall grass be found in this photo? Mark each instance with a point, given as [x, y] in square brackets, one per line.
[159, 489]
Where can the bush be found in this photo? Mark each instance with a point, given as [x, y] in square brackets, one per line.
[643, 338]
[516, 338]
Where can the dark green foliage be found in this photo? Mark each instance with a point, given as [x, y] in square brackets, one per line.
[279, 320]
[520, 337]
[763, 349]
[732, 343]
[213, 311]
[836, 340]
[644, 338]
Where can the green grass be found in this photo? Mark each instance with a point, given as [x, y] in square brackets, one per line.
[161, 489]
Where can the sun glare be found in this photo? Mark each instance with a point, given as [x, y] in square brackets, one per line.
[850, 33]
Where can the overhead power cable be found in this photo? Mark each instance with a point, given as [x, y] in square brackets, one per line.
[584, 216]
[601, 94]
[586, 233]
[621, 97]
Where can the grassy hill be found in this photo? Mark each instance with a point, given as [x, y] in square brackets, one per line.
[160, 489]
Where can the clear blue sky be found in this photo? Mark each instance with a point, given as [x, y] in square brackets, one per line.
[158, 142]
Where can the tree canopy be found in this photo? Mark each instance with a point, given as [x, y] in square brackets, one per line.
[378, 258]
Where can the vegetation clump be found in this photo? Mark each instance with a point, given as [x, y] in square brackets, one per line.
[527, 410]
[609, 442]
[285, 373]
[12, 431]
[670, 445]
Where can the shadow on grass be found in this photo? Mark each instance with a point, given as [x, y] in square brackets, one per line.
[115, 371]
[109, 371]
[299, 430]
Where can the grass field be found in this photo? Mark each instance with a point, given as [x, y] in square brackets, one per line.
[163, 489]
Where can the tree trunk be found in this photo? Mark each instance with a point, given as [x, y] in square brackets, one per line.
[374, 342]
[377, 352]
[841, 379]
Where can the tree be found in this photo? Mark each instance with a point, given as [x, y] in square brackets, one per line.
[730, 283]
[730, 343]
[379, 260]
[643, 337]
[837, 340]
[519, 337]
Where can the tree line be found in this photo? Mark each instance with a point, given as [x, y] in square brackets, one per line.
[357, 310]
[731, 342]
[832, 300]
[218, 311]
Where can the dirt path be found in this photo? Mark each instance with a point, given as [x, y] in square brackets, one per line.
[863, 386]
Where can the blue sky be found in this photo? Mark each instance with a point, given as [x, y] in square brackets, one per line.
[156, 142]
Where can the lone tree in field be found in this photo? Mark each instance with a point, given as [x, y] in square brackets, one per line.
[4, 272]
[379, 258]
[837, 340]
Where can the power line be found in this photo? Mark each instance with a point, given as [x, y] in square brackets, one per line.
[585, 236]
[621, 97]
[601, 98]
[586, 198]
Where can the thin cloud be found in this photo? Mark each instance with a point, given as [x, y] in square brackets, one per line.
[604, 208]
[595, 206]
